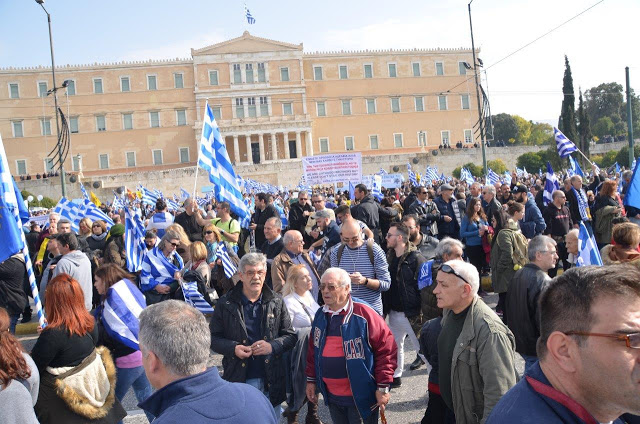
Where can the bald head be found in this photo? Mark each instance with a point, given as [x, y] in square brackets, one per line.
[351, 234]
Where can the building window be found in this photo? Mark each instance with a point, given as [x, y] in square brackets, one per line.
[462, 69]
[73, 124]
[343, 72]
[287, 109]
[264, 106]
[48, 165]
[71, 87]
[75, 163]
[348, 143]
[439, 68]
[184, 154]
[217, 112]
[468, 136]
[419, 101]
[17, 129]
[97, 86]
[397, 140]
[317, 73]
[249, 73]
[103, 160]
[324, 145]
[45, 126]
[284, 74]
[395, 104]
[321, 108]
[101, 123]
[444, 137]
[14, 91]
[125, 84]
[181, 117]
[416, 69]
[465, 101]
[154, 119]
[368, 71]
[262, 74]
[346, 107]
[157, 157]
[422, 139]
[237, 74]
[21, 167]
[239, 108]
[42, 89]
[178, 80]
[251, 101]
[213, 77]
[131, 159]
[373, 142]
[127, 121]
[393, 72]
[442, 102]
[371, 106]
[152, 82]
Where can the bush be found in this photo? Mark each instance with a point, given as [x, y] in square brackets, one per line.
[532, 161]
[498, 166]
[48, 202]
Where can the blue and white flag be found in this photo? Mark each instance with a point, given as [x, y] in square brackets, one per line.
[194, 298]
[122, 307]
[376, 189]
[158, 269]
[492, 177]
[564, 145]
[84, 191]
[229, 268]
[382, 172]
[134, 245]
[92, 212]
[550, 185]
[213, 158]
[352, 191]
[412, 176]
[507, 177]
[425, 278]
[588, 253]
[632, 198]
[250, 19]
[617, 168]
[519, 172]
[149, 197]
[172, 205]
[465, 175]
[184, 194]
[71, 211]
[431, 174]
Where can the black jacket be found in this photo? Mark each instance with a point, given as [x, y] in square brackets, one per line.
[406, 281]
[260, 218]
[428, 216]
[367, 212]
[491, 207]
[427, 246]
[228, 330]
[12, 275]
[521, 307]
[573, 202]
[297, 220]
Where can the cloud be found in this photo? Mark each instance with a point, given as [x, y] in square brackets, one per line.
[180, 49]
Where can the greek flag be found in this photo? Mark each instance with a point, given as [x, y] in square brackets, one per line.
[172, 205]
[382, 172]
[71, 211]
[85, 195]
[507, 177]
[519, 172]
[492, 177]
[92, 212]
[425, 278]
[134, 245]
[122, 307]
[13, 240]
[184, 194]
[588, 253]
[213, 158]
[194, 298]
[412, 176]
[617, 168]
[583, 205]
[149, 197]
[250, 19]
[575, 167]
[376, 190]
[228, 266]
[551, 184]
[432, 174]
[564, 145]
[158, 269]
[465, 175]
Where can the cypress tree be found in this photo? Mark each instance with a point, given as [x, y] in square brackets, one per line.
[568, 113]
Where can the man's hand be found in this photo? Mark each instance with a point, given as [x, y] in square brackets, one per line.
[357, 278]
[163, 288]
[261, 347]
[381, 398]
[242, 351]
[177, 276]
[253, 226]
[305, 213]
[446, 218]
[311, 393]
[38, 263]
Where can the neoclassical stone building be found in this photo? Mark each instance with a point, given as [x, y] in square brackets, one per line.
[272, 101]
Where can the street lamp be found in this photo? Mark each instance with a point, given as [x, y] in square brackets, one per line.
[55, 100]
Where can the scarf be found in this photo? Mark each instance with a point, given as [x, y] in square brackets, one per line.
[100, 237]
[583, 206]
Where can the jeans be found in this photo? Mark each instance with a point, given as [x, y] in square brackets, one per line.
[350, 415]
[136, 378]
[529, 361]
[258, 383]
[13, 322]
[401, 327]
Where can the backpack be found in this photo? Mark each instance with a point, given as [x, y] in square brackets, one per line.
[520, 248]
[369, 244]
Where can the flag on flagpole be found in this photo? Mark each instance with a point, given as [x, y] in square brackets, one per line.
[122, 306]
[376, 189]
[149, 197]
[95, 199]
[71, 211]
[184, 194]
[85, 195]
[432, 174]
[632, 198]
[492, 177]
[519, 172]
[228, 266]
[465, 175]
[564, 145]
[250, 19]
[135, 248]
[412, 176]
[588, 253]
[193, 297]
[382, 172]
[551, 184]
[507, 177]
[92, 212]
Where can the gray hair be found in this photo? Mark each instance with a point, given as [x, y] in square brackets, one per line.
[627, 174]
[275, 221]
[491, 189]
[573, 232]
[468, 272]
[288, 236]
[167, 237]
[446, 245]
[539, 244]
[178, 334]
[342, 276]
[253, 259]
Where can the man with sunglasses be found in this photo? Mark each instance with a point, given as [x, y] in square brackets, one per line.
[426, 211]
[299, 212]
[476, 351]
[589, 350]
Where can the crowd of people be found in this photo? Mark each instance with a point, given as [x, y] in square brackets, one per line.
[327, 289]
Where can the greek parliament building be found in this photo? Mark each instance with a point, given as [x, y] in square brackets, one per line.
[272, 101]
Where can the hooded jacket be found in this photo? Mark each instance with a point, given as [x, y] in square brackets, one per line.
[77, 265]
[532, 224]
[409, 265]
[367, 212]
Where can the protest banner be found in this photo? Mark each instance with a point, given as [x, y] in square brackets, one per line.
[334, 168]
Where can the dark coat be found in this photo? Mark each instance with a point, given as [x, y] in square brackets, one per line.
[260, 218]
[228, 330]
[533, 223]
[12, 295]
[407, 273]
[491, 207]
[367, 212]
[428, 216]
[451, 228]
[297, 220]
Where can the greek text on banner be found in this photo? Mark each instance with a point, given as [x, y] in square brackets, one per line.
[329, 169]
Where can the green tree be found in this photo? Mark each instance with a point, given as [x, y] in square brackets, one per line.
[531, 161]
[609, 158]
[604, 100]
[497, 165]
[635, 114]
[47, 202]
[623, 155]
[524, 130]
[604, 126]
[584, 127]
[504, 127]
[476, 170]
[568, 112]
[541, 133]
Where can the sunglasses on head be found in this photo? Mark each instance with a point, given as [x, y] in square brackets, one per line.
[448, 269]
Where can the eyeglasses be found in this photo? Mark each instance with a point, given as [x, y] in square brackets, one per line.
[330, 287]
[632, 340]
[423, 192]
[391, 235]
[303, 199]
[447, 269]
[351, 239]
[252, 273]
[208, 232]
[174, 244]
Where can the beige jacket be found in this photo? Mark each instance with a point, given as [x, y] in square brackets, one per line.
[281, 265]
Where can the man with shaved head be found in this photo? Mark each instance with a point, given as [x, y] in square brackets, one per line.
[190, 220]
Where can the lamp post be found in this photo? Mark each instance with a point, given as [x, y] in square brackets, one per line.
[55, 101]
[475, 73]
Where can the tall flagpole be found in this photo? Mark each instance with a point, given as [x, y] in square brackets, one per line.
[199, 145]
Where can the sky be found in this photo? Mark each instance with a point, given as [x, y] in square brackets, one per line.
[599, 43]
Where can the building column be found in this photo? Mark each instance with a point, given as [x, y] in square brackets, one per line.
[236, 149]
[247, 140]
[298, 145]
[274, 146]
[287, 154]
[309, 143]
[261, 142]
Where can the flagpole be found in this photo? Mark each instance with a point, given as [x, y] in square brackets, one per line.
[583, 155]
[195, 179]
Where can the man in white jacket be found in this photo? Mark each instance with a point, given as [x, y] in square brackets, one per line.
[76, 264]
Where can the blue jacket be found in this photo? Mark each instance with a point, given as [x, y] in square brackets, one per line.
[470, 233]
[533, 223]
[452, 227]
[369, 348]
[206, 397]
[524, 405]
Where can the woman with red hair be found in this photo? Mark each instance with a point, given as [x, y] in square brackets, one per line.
[19, 378]
[77, 380]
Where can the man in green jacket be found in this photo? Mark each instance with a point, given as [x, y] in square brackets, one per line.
[476, 350]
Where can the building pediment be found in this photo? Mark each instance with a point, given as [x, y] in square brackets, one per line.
[246, 43]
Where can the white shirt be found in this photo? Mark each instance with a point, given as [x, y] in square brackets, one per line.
[301, 309]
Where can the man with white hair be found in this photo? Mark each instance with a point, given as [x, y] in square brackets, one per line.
[476, 351]
[490, 203]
